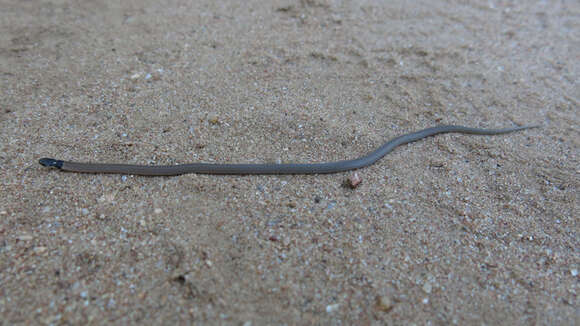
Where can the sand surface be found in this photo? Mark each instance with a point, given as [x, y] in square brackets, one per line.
[454, 229]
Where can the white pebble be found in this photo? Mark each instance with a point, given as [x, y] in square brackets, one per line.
[427, 287]
[40, 250]
[24, 237]
[332, 307]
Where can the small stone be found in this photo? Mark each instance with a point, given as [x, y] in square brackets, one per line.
[158, 211]
[135, 76]
[108, 197]
[39, 250]
[214, 120]
[427, 287]
[354, 180]
[24, 237]
[384, 303]
[285, 8]
[574, 272]
[286, 241]
[332, 307]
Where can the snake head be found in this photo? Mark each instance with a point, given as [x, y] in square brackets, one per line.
[50, 162]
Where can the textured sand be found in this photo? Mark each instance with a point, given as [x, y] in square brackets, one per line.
[454, 229]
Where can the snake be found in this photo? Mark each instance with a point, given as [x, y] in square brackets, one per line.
[272, 168]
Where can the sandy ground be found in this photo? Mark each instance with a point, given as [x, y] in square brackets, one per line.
[454, 229]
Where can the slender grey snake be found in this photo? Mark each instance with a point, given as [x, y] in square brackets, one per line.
[290, 168]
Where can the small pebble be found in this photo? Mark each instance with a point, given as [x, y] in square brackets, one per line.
[331, 204]
[286, 241]
[427, 287]
[158, 211]
[39, 250]
[214, 120]
[109, 197]
[574, 272]
[354, 180]
[24, 237]
[384, 303]
[332, 307]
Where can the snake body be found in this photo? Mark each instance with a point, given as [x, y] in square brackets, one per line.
[290, 168]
